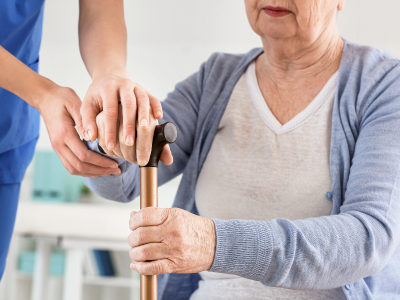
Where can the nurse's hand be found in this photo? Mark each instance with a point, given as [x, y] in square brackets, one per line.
[60, 111]
[139, 152]
[170, 240]
[104, 94]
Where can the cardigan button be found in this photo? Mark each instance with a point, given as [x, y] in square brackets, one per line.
[328, 195]
[349, 286]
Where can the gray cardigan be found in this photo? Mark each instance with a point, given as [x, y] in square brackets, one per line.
[356, 247]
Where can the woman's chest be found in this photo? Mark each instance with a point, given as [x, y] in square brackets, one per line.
[253, 173]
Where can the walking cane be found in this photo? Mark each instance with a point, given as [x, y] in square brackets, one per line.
[163, 134]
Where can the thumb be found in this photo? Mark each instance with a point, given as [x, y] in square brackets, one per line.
[89, 112]
[73, 108]
[76, 116]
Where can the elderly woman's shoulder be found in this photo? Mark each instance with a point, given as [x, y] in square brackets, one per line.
[367, 76]
[369, 62]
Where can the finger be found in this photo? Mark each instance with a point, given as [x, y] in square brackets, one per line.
[83, 167]
[110, 107]
[128, 152]
[148, 252]
[80, 150]
[101, 134]
[149, 216]
[89, 110]
[70, 168]
[128, 101]
[120, 136]
[74, 111]
[145, 235]
[166, 156]
[156, 267]
[156, 106]
[143, 104]
[144, 141]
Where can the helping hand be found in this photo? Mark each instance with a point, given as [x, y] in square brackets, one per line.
[104, 94]
[139, 152]
[60, 111]
[170, 240]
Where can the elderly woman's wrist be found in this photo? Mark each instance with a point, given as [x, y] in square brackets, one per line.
[211, 243]
[243, 248]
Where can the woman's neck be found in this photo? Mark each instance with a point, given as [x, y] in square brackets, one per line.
[291, 73]
[293, 60]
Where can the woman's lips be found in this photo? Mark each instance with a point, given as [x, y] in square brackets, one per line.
[276, 11]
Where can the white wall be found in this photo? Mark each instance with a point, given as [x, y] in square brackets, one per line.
[168, 40]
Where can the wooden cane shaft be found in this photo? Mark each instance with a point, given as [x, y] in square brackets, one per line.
[148, 198]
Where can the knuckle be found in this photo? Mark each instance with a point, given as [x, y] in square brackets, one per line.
[107, 85]
[82, 156]
[110, 132]
[144, 149]
[132, 254]
[140, 236]
[129, 103]
[131, 239]
[142, 218]
[111, 111]
[73, 171]
[56, 143]
[143, 112]
[80, 167]
[142, 254]
[127, 82]
[129, 127]
[157, 268]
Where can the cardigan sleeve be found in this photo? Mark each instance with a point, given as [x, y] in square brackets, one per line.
[332, 251]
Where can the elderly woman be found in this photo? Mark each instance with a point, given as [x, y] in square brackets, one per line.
[290, 157]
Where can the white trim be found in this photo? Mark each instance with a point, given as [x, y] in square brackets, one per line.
[265, 113]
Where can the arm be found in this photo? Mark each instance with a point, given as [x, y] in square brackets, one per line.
[316, 253]
[331, 251]
[181, 108]
[102, 40]
[59, 107]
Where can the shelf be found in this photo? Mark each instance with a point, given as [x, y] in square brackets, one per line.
[112, 281]
[127, 282]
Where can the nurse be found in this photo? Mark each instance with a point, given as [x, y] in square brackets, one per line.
[24, 95]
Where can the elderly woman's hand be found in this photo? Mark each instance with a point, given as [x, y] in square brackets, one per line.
[140, 151]
[170, 240]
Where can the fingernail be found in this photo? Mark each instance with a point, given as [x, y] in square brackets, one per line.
[86, 135]
[159, 114]
[116, 172]
[129, 140]
[111, 145]
[113, 166]
[143, 123]
[90, 134]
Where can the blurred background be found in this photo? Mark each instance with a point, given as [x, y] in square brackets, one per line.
[167, 41]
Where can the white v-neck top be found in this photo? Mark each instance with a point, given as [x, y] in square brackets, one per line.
[258, 169]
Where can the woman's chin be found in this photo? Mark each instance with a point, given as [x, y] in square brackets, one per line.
[276, 33]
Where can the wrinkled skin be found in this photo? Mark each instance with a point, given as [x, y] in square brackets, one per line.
[170, 240]
[139, 152]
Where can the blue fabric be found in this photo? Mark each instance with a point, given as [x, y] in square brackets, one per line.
[357, 246]
[20, 34]
[14, 162]
[9, 195]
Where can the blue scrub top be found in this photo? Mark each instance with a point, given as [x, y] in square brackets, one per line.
[20, 34]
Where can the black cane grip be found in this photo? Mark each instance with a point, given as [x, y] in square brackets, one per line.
[165, 133]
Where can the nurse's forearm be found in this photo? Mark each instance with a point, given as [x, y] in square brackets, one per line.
[102, 37]
[20, 80]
